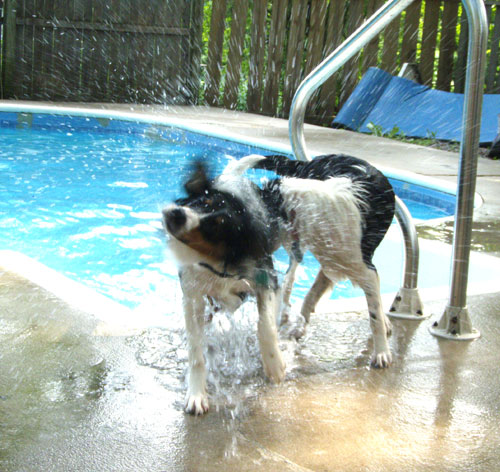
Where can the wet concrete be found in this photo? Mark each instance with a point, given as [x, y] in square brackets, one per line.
[71, 400]
[74, 400]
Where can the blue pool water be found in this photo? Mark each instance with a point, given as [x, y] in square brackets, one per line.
[83, 196]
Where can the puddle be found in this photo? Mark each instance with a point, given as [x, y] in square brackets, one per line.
[484, 235]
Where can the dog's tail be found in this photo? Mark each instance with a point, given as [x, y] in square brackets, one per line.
[281, 165]
[237, 168]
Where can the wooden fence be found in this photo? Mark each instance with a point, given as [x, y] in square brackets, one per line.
[95, 50]
[272, 45]
[255, 55]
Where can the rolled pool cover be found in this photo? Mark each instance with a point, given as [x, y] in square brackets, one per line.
[395, 105]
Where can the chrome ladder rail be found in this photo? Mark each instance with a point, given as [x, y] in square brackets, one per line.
[455, 322]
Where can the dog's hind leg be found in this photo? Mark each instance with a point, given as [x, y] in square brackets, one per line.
[368, 280]
[287, 290]
[320, 286]
[295, 255]
[194, 313]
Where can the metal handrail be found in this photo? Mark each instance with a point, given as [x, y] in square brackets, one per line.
[331, 64]
[407, 303]
[455, 322]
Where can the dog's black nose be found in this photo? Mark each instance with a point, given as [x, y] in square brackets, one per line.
[174, 218]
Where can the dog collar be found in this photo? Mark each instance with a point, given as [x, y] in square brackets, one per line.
[223, 275]
[262, 276]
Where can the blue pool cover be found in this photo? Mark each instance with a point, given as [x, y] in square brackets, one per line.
[416, 110]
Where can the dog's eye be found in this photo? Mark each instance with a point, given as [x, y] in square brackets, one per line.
[205, 202]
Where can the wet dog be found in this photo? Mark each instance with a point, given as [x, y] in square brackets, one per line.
[224, 233]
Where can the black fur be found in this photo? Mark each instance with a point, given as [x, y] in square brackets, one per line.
[380, 201]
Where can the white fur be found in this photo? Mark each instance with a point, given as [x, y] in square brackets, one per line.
[325, 217]
[196, 282]
[238, 167]
[192, 218]
[183, 254]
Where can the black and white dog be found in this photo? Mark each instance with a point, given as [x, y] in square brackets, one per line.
[226, 230]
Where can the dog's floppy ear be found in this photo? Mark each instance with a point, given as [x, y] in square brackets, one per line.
[199, 182]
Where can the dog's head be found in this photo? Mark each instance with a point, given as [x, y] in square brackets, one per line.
[214, 221]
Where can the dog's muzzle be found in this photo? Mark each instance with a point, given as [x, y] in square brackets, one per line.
[174, 218]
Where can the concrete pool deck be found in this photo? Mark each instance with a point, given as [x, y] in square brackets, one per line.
[74, 400]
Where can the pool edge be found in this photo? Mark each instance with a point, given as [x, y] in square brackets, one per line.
[112, 317]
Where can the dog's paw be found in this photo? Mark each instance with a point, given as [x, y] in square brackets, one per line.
[284, 316]
[381, 360]
[196, 404]
[274, 367]
[297, 331]
[294, 328]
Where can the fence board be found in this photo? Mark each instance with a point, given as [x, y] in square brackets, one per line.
[390, 51]
[461, 62]
[410, 33]
[63, 56]
[275, 57]
[139, 56]
[350, 70]
[429, 39]
[448, 45]
[491, 72]
[295, 53]
[195, 43]
[119, 51]
[235, 54]
[27, 51]
[335, 26]
[315, 48]
[315, 41]
[370, 52]
[94, 46]
[257, 49]
[9, 45]
[214, 61]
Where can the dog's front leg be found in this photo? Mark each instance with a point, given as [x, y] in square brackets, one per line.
[194, 313]
[272, 360]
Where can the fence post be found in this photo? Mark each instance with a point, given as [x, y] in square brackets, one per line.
[9, 45]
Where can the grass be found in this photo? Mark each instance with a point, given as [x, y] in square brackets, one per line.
[429, 141]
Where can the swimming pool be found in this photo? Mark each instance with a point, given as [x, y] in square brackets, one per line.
[83, 195]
